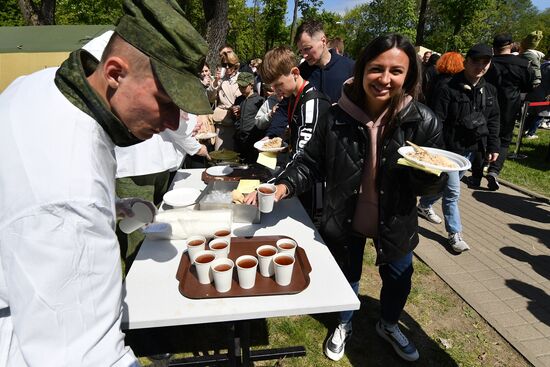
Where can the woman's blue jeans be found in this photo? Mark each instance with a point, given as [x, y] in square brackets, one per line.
[396, 280]
[449, 203]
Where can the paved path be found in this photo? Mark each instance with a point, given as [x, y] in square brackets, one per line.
[505, 277]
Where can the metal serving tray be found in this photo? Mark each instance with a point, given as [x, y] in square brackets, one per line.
[242, 213]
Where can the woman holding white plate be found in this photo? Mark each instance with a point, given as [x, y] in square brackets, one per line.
[368, 194]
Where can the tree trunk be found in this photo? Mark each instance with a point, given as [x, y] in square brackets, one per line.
[34, 14]
[420, 27]
[217, 26]
[294, 18]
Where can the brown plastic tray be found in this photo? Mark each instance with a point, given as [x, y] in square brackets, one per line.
[190, 287]
[253, 172]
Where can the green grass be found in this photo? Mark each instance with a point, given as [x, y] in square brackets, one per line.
[532, 172]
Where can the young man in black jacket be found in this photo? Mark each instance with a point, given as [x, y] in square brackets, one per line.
[511, 75]
[468, 108]
[305, 104]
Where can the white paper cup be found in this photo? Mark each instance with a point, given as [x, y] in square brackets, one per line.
[222, 232]
[194, 245]
[246, 270]
[266, 197]
[222, 72]
[265, 255]
[222, 272]
[203, 262]
[284, 264]
[142, 215]
[220, 246]
[286, 245]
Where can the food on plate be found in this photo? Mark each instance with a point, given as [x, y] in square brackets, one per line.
[237, 197]
[435, 159]
[203, 135]
[273, 143]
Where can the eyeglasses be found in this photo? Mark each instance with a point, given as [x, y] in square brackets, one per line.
[226, 65]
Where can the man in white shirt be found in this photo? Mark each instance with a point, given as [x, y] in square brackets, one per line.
[60, 274]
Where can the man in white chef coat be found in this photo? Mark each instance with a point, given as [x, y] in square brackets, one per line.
[60, 274]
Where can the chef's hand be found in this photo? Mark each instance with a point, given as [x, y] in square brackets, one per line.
[491, 157]
[124, 206]
[281, 192]
[203, 152]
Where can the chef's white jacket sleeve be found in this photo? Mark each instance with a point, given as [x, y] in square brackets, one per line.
[62, 270]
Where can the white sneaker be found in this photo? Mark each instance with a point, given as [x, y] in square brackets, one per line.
[428, 214]
[457, 242]
[334, 347]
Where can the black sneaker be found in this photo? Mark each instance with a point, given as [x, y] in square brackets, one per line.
[402, 346]
[334, 347]
[492, 182]
[473, 182]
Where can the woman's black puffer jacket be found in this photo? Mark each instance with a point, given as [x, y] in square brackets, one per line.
[336, 154]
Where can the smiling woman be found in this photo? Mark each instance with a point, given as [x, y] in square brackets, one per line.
[368, 194]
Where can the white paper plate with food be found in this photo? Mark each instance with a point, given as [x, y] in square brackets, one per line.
[205, 135]
[437, 159]
[183, 196]
[270, 145]
[219, 170]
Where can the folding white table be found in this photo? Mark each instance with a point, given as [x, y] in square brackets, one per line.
[152, 298]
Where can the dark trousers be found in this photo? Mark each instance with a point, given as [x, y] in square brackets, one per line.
[478, 162]
[506, 134]
[396, 278]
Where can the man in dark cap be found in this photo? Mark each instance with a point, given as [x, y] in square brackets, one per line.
[60, 271]
[511, 75]
[468, 108]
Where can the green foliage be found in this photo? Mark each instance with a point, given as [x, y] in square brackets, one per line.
[88, 11]
[10, 15]
[310, 9]
[241, 29]
[367, 21]
[273, 17]
[194, 13]
[446, 28]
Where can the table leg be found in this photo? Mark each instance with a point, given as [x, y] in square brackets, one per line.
[244, 333]
[248, 356]
[238, 350]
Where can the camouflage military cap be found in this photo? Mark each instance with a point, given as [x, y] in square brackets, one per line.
[176, 50]
[245, 79]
